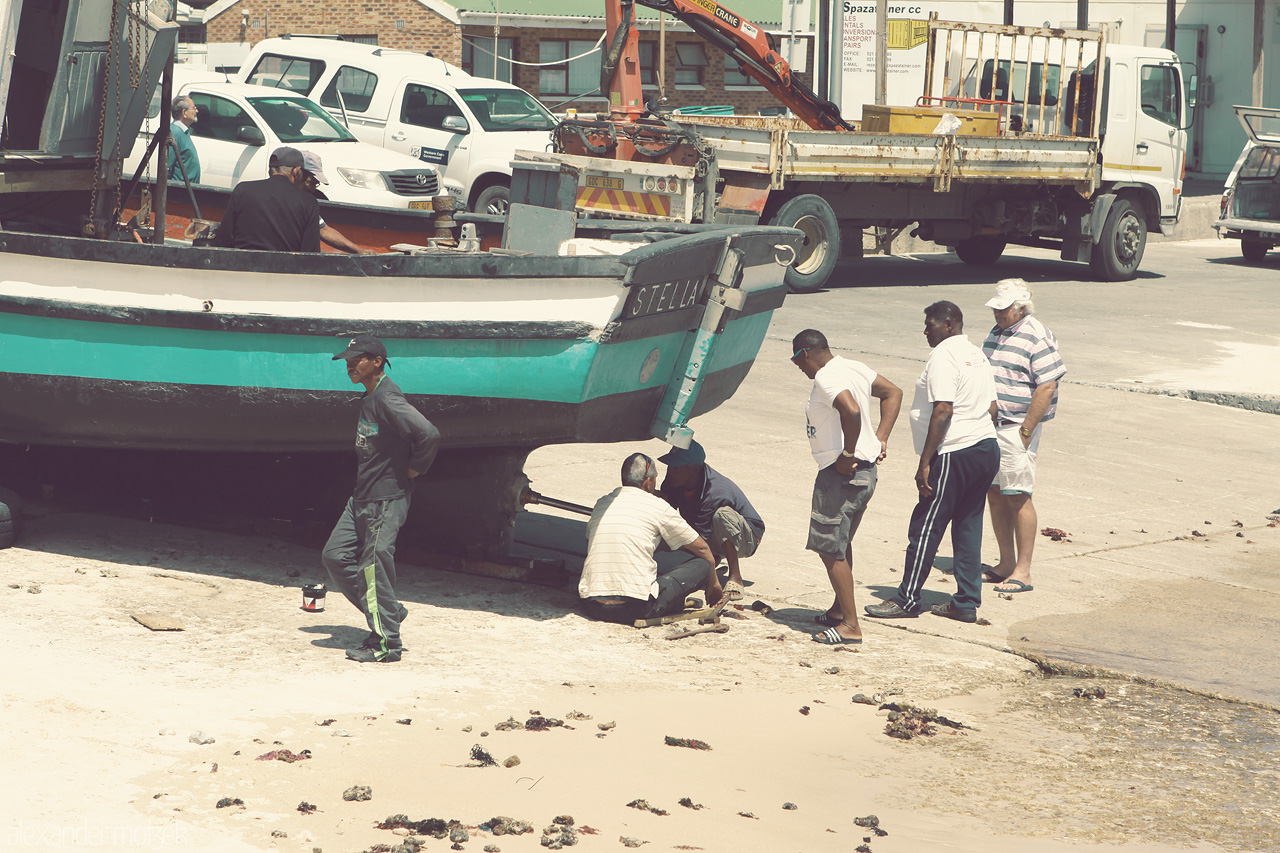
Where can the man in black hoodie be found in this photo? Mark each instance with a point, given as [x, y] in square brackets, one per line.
[394, 445]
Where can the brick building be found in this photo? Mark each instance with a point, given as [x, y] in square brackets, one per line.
[550, 35]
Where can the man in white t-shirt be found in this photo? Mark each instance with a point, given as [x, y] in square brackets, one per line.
[953, 425]
[621, 580]
[847, 449]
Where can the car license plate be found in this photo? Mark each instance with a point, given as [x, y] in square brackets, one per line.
[419, 205]
[604, 183]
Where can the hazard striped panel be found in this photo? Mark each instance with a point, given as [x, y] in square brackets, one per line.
[622, 201]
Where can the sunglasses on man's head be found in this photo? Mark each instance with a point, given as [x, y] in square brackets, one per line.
[797, 353]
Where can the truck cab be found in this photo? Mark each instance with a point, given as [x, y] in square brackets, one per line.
[469, 128]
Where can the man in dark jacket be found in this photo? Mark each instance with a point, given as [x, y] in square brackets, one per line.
[277, 214]
[714, 507]
[394, 445]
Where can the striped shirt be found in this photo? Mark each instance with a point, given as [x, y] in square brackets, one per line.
[1022, 357]
[624, 530]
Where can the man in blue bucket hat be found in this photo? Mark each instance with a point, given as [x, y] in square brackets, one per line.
[395, 444]
[715, 507]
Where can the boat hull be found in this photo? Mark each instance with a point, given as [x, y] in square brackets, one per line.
[145, 347]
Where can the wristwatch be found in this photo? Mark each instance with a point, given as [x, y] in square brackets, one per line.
[1023, 431]
[846, 454]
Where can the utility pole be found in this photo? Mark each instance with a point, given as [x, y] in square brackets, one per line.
[882, 51]
[1259, 39]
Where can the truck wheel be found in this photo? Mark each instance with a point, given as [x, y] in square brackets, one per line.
[816, 259]
[1254, 249]
[1119, 250]
[495, 199]
[981, 251]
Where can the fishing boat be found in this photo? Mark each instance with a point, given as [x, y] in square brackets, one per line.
[164, 348]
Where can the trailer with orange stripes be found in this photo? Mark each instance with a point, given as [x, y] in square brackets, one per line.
[629, 189]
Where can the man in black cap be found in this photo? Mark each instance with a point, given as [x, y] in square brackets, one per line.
[394, 445]
[715, 507]
[277, 214]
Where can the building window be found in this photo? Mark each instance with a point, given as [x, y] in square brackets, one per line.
[648, 51]
[691, 61]
[484, 57]
[356, 87]
[735, 76]
[570, 76]
[361, 39]
[191, 34]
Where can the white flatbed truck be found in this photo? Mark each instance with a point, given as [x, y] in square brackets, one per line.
[1033, 158]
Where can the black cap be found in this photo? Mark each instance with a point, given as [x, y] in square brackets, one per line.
[287, 157]
[363, 345]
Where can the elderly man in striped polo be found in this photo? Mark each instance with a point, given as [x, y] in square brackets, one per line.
[1024, 358]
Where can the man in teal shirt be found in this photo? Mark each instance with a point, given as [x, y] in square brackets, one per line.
[185, 114]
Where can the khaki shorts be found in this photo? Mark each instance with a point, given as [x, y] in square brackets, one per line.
[837, 508]
[1017, 474]
[728, 526]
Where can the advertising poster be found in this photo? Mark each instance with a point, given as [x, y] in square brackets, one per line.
[908, 37]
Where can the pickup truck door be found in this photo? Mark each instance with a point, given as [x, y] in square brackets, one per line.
[224, 160]
[416, 127]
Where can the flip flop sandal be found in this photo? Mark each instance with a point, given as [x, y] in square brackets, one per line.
[1022, 587]
[733, 591]
[832, 637]
[825, 618]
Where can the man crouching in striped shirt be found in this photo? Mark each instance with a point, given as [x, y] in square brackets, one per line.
[621, 580]
[1027, 367]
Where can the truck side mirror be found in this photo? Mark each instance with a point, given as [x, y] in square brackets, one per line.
[455, 124]
[250, 135]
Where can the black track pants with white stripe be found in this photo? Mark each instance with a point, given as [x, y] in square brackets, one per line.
[960, 480]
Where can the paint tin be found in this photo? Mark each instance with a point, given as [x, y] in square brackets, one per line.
[313, 598]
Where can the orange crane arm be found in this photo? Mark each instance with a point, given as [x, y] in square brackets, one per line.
[748, 45]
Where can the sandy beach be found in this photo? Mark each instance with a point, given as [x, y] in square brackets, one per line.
[1166, 583]
[99, 714]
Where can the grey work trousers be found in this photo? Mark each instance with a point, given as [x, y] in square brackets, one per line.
[673, 585]
[360, 558]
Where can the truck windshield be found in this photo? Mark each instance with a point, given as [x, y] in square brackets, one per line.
[507, 109]
[300, 120]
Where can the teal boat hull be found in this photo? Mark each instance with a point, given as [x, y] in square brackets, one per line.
[144, 347]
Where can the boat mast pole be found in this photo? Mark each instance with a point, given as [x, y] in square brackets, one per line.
[162, 156]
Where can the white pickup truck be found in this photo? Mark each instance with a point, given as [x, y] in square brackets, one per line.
[1029, 156]
[1251, 198]
[238, 127]
[468, 127]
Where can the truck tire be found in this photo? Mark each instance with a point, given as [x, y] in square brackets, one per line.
[816, 259]
[1119, 249]
[1254, 249]
[495, 199]
[981, 251]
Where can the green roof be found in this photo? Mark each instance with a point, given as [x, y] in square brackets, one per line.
[764, 13]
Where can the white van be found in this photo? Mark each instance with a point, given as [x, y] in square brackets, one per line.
[238, 127]
[470, 127]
